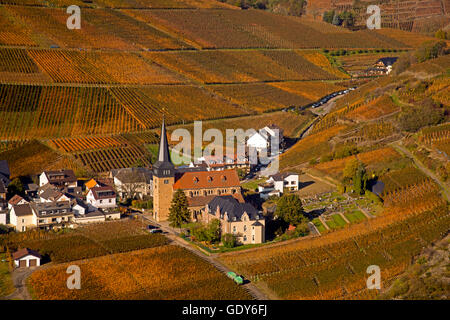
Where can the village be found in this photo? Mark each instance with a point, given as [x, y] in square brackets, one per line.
[59, 200]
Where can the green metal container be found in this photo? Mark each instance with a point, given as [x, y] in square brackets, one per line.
[239, 280]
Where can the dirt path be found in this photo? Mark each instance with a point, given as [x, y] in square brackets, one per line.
[401, 149]
[19, 277]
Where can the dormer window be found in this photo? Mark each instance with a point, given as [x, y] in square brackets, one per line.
[224, 178]
[209, 178]
[195, 180]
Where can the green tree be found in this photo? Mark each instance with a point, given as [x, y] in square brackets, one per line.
[349, 170]
[179, 213]
[290, 209]
[328, 16]
[15, 187]
[229, 240]
[360, 179]
[441, 34]
[430, 50]
[209, 233]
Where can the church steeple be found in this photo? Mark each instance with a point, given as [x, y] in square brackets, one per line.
[163, 167]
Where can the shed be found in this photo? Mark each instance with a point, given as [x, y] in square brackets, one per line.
[26, 258]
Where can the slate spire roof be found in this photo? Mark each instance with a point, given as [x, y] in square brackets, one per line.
[163, 153]
[163, 161]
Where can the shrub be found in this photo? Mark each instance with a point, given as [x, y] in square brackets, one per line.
[229, 240]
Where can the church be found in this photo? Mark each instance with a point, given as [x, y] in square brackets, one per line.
[199, 185]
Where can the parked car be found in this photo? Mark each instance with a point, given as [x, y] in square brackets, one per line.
[157, 230]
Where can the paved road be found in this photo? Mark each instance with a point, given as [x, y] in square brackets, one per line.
[173, 235]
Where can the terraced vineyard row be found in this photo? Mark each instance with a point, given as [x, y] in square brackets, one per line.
[334, 266]
[257, 29]
[372, 159]
[102, 28]
[98, 67]
[104, 160]
[87, 143]
[29, 111]
[377, 108]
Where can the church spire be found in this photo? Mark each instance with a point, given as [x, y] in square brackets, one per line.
[163, 154]
[163, 167]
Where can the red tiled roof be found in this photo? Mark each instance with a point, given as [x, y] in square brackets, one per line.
[207, 179]
[25, 252]
[15, 200]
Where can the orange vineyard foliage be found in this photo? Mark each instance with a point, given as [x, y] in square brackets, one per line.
[334, 265]
[165, 273]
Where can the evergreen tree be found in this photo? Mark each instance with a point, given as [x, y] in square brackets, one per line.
[360, 179]
[179, 213]
[290, 209]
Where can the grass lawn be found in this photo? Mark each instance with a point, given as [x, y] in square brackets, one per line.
[253, 184]
[6, 284]
[336, 222]
[319, 225]
[355, 216]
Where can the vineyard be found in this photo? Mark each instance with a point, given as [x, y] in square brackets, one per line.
[376, 159]
[402, 178]
[112, 158]
[334, 266]
[375, 109]
[100, 67]
[30, 111]
[102, 29]
[164, 273]
[311, 90]
[259, 97]
[103, 153]
[215, 66]
[31, 157]
[309, 148]
[257, 29]
[87, 241]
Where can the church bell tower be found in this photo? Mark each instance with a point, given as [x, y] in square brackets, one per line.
[163, 179]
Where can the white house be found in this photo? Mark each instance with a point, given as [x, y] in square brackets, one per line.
[79, 207]
[102, 197]
[22, 216]
[15, 200]
[261, 140]
[258, 141]
[3, 216]
[60, 178]
[26, 258]
[285, 180]
[267, 189]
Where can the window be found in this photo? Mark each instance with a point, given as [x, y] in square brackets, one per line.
[23, 220]
[234, 229]
[166, 181]
[253, 238]
[245, 238]
[110, 200]
[101, 201]
[245, 228]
